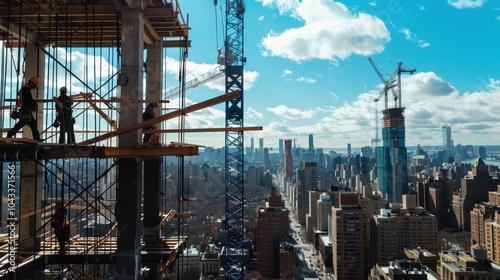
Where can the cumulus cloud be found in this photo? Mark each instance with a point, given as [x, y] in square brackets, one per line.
[196, 71]
[430, 102]
[330, 31]
[261, 18]
[464, 4]
[283, 6]
[286, 73]
[251, 113]
[291, 113]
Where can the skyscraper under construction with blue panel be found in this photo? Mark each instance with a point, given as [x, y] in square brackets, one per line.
[392, 164]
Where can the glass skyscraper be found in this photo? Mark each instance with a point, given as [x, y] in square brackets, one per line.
[392, 163]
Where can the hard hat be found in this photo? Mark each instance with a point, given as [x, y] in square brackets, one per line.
[34, 80]
[63, 89]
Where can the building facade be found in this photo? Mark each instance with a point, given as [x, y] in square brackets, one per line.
[350, 250]
[392, 163]
[272, 227]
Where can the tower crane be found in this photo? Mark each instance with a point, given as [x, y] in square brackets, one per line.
[400, 70]
[211, 75]
[234, 161]
[388, 84]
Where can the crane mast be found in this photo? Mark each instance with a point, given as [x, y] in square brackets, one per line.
[234, 169]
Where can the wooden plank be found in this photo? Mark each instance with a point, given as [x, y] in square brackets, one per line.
[180, 112]
[206, 129]
[19, 140]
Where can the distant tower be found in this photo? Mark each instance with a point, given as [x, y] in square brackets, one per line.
[280, 148]
[288, 158]
[267, 160]
[261, 147]
[392, 166]
[307, 180]
[252, 147]
[482, 152]
[447, 143]
[311, 142]
[349, 149]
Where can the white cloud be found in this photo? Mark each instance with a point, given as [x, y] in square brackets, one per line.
[421, 7]
[198, 70]
[330, 32]
[372, 3]
[306, 80]
[283, 6]
[286, 73]
[463, 4]
[413, 38]
[261, 18]
[251, 113]
[291, 113]
[429, 100]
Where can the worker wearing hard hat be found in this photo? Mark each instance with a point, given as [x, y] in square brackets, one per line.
[64, 116]
[26, 106]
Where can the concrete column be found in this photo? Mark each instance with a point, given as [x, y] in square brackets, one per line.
[30, 191]
[152, 167]
[128, 208]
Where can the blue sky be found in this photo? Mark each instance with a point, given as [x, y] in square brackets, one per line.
[307, 69]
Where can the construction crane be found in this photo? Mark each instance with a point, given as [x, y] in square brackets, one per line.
[400, 70]
[211, 75]
[388, 84]
[234, 169]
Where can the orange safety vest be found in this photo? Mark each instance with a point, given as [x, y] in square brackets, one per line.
[20, 97]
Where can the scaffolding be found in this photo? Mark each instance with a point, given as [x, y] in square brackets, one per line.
[106, 177]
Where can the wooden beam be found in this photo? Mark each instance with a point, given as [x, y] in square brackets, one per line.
[178, 113]
[71, 151]
[213, 129]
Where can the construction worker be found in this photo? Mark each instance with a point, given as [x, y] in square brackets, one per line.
[64, 117]
[61, 228]
[148, 114]
[26, 106]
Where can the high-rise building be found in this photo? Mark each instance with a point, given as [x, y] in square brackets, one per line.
[311, 216]
[311, 142]
[478, 216]
[288, 158]
[350, 239]
[272, 227]
[349, 149]
[473, 190]
[402, 226]
[261, 148]
[492, 233]
[447, 144]
[306, 180]
[323, 210]
[252, 147]
[280, 148]
[392, 166]
[482, 152]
